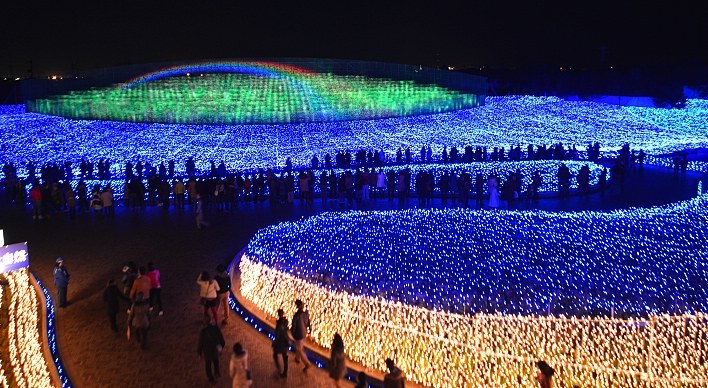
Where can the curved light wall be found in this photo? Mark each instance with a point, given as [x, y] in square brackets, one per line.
[643, 268]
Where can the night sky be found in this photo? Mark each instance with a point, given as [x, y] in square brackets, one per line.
[65, 35]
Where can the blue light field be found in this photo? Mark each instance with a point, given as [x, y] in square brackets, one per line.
[630, 262]
[503, 121]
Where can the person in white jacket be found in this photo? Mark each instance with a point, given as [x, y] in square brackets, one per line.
[208, 288]
[381, 183]
[238, 368]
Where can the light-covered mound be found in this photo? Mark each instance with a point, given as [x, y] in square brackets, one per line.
[257, 99]
[632, 262]
[360, 275]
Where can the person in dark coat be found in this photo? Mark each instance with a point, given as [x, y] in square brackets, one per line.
[299, 329]
[281, 343]
[362, 380]
[211, 342]
[395, 377]
[61, 281]
[337, 361]
[112, 297]
[545, 374]
[479, 190]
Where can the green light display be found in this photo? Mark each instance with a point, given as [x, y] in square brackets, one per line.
[256, 99]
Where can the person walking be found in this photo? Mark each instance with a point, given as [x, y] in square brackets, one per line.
[112, 297]
[238, 368]
[299, 329]
[362, 380]
[36, 197]
[479, 190]
[107, 201]
[130, 273]
[337, 361]
[61, 281]
[178, 190]
[155, 288]
[395, 377]
[209, 347]
[96, 203]
[200, 213]
[281, 343]
[545, 374]
[208, 289]
[141, 284]
[139, 319]
[493, 187]
[224, 281]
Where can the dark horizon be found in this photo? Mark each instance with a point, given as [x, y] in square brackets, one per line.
[66, 37]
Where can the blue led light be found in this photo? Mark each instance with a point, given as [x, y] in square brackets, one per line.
[629, 262]
[502, 121]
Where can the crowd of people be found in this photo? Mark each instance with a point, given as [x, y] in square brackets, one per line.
[373, 158]
[141, 290]
[61, 171]
[349, 188]
[52, 191]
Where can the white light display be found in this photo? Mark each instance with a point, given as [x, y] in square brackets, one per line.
[442, 349]
[28, 367]
[3, 374]
[460, 297]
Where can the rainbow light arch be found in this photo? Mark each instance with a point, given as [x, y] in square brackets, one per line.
[260, 68]
[293, 74]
